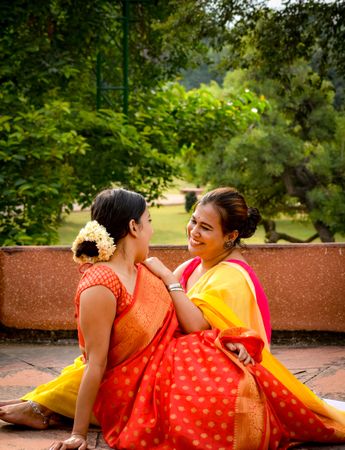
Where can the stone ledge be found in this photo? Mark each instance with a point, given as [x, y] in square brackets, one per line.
[299, 338]
[305, 285]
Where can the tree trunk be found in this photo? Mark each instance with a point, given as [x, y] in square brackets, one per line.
[324, 232]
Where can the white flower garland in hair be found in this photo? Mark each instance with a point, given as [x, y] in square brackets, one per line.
[94, 232]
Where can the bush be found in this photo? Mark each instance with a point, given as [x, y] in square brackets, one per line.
[189, 201]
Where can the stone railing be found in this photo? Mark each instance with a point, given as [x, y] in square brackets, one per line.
[305, 285]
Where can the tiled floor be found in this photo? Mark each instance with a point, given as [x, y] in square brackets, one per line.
[23, 366]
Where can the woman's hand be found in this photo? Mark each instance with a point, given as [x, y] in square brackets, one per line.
[241, 352]
[156, 266]
[75, 441]
[190, 317]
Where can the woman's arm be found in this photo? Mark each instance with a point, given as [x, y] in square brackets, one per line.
[97, 314]
[189, 316]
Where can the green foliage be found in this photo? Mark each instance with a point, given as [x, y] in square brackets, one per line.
[50, 48]
[189, 201]
[292, 160]
[122, 154]
[56, 155]
[270, 39]
[36, 180]
[218, 117]
[55, 149]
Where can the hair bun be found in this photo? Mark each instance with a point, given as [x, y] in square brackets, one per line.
[251, 224]
[87, 248]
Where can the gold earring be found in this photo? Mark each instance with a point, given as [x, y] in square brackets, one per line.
[228, 244]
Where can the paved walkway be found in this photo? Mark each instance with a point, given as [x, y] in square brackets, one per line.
[23, 366]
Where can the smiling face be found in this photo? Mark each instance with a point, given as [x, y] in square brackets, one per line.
[205, 234]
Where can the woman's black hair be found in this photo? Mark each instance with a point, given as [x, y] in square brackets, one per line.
[234, 212]
[114, 209]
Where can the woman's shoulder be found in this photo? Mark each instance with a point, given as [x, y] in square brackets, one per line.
[100, 275]
[231, 271]
[181, 268]
[100, 269]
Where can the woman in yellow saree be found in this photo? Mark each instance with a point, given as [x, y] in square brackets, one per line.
[210, 290]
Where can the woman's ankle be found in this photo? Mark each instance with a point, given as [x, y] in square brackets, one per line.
[42, 411]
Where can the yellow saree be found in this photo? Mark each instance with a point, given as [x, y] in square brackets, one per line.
[227, 300]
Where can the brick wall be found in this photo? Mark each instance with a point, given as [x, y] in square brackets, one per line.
[304, 283]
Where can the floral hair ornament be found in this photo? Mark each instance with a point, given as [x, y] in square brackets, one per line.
[94, 232]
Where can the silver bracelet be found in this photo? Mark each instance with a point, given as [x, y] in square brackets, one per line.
[174, 287]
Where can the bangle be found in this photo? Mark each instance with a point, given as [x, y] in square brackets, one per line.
[83, 436]
[174, 287]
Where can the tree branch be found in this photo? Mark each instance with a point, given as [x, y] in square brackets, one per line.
[272, 236]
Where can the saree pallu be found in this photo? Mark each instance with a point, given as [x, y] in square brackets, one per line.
[230, 294]
[189, 392]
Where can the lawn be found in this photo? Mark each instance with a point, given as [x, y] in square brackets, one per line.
[169, 224]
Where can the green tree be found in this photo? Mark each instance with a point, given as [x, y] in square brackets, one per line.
[36, 180]
[292, 161]
[55, 155]
[55, 148]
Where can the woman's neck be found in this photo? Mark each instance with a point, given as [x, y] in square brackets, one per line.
[125, 268]
[123, 262]
[209, 263]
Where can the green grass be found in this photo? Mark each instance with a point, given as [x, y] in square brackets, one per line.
[169, 224]
[71, 226]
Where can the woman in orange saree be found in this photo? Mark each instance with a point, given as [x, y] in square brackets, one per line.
[163, 392]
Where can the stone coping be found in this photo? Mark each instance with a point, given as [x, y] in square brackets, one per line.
[304, 283]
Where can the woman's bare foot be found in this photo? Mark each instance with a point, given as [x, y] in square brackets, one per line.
[29, 413]
[10, 402]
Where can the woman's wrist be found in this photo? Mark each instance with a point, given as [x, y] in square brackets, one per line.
[79, 434]
[169, 278]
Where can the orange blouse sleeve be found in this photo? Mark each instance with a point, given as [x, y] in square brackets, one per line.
[97, 276]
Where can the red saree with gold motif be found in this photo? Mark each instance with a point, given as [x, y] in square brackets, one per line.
[164, 390]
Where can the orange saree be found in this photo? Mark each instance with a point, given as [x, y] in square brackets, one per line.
[164, 390]
[176, 392]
